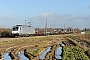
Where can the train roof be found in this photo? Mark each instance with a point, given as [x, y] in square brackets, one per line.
[18, 25]
[22, 26]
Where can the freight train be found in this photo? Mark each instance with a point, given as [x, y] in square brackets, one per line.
[25, 30]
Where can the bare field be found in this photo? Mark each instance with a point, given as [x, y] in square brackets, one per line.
[40, 43]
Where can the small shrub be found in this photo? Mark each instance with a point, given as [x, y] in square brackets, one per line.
[5, 34]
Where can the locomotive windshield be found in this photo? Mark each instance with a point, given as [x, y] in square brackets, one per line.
[15, 28]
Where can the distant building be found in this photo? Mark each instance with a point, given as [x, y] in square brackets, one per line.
[82, 32]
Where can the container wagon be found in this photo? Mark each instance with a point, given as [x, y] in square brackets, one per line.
[22, 30]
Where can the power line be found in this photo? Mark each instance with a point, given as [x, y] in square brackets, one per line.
[28, 22]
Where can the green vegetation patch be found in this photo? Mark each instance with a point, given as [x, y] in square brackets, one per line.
[74, 53]
[87, 32]
[35, 51]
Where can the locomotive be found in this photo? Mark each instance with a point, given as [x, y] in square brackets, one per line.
[23, 30]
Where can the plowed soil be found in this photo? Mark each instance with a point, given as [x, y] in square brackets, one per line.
[26, 44]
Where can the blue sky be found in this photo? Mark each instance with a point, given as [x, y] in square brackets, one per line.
[57, 12]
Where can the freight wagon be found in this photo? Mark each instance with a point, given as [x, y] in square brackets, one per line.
[23, 30]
